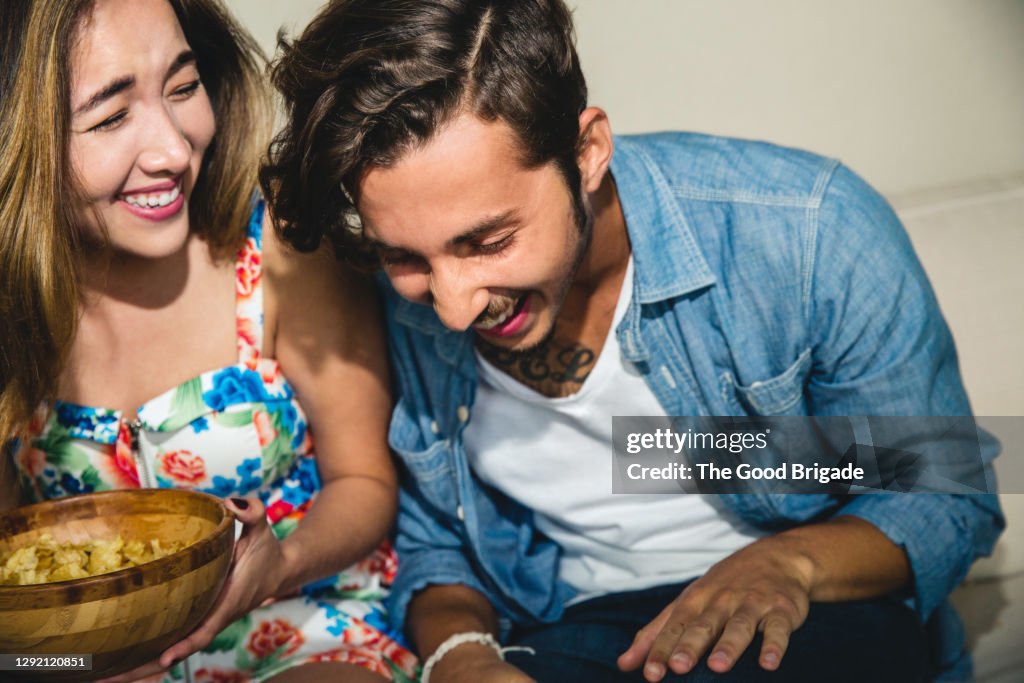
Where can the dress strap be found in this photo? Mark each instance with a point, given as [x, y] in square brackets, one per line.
[249, 290]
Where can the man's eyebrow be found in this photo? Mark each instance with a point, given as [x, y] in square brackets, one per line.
[483, 227]
[119, 85]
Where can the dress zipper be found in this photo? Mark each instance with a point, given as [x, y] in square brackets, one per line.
[134, 426]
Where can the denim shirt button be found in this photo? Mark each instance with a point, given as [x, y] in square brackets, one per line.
[434, 427]
[460, 513]
[463, 413]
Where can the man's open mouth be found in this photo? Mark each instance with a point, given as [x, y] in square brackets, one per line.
[507, 321]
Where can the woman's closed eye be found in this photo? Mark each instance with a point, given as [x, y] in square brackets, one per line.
[110, 122]
[186, 91]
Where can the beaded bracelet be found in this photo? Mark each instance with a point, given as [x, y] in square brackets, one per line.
[457, 639]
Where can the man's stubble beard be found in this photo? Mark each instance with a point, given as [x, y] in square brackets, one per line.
[583, 217]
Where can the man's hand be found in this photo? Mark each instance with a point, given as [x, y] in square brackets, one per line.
[767, 587]
[250, 582]
[764, 587]
[475, 663]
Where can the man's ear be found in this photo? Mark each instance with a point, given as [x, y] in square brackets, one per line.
[594, 147]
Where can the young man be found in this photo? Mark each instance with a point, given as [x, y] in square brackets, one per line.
[543, 276]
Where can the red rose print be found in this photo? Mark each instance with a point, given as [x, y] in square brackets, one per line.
[264, 427]
[382, 562]
[278, 511]
[248, 269]
[220, 676]
[184, 467]
[367, 658]
[123, 471]
[32, 461]
[272, 635]
[247, 342]
[403, 658]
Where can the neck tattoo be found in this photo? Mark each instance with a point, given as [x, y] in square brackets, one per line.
[552, 368]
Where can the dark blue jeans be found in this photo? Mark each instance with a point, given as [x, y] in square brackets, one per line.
[869, 641]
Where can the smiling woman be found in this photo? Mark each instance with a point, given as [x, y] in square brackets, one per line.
[155, 333]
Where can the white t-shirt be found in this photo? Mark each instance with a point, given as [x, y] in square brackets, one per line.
[554, 455]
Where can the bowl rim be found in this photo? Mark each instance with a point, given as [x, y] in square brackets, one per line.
[84, 584]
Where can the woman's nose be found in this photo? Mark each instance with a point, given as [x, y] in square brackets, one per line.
[167, 148]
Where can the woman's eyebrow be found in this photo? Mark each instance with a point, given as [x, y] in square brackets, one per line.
[116, 86]
[183, 59]
[122, 83]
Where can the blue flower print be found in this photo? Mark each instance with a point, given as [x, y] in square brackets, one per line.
[88, 423]
[235, 385]
[307, 475]
[73, 486]
[256, 224]
[247, 482]
[222, 487]
[294, 495]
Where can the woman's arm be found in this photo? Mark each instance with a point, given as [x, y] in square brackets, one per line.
[328, 337]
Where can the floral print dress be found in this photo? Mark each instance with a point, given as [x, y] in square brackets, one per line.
[235, 431]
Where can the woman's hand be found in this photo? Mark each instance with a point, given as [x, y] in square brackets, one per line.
[257, 571]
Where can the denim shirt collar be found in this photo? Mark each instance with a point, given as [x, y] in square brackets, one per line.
[668, 261]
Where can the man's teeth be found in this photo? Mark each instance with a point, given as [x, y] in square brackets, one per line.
[494, 322]
[153, 201]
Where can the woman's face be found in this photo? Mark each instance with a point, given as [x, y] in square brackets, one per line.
[141, 122]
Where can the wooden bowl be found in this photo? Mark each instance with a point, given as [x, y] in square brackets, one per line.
[127, 617]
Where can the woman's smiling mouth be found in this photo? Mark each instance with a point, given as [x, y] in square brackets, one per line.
[155, 203]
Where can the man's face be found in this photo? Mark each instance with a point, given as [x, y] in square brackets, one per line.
[461, 225]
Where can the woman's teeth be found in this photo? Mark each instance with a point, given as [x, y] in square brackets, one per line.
[153, 201]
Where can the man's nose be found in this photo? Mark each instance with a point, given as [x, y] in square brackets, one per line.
[457, 297]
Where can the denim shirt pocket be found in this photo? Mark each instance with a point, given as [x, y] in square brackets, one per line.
[428, 462]
[779, 395]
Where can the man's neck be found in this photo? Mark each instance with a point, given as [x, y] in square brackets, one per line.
[561, 364]
[608, 254]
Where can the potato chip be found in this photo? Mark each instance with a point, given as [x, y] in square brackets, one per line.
[47, 561]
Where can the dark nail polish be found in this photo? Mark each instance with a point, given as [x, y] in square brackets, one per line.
[240, 503]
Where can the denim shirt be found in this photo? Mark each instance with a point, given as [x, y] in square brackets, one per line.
[767, 281]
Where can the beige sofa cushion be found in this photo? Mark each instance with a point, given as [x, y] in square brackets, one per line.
[971, 241]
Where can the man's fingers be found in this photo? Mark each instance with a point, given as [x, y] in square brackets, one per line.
[637, 652]
[664, 643]
[776, 629]
[736, 637]
[698, 632]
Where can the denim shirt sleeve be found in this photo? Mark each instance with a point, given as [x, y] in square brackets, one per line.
[882, 347]
[429, 554]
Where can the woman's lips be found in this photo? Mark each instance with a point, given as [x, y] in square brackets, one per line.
[511, 325]
[156, 213]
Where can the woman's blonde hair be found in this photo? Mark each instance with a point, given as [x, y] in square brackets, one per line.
[39, 293]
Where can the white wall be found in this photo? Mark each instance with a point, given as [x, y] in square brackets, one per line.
[911, 93]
